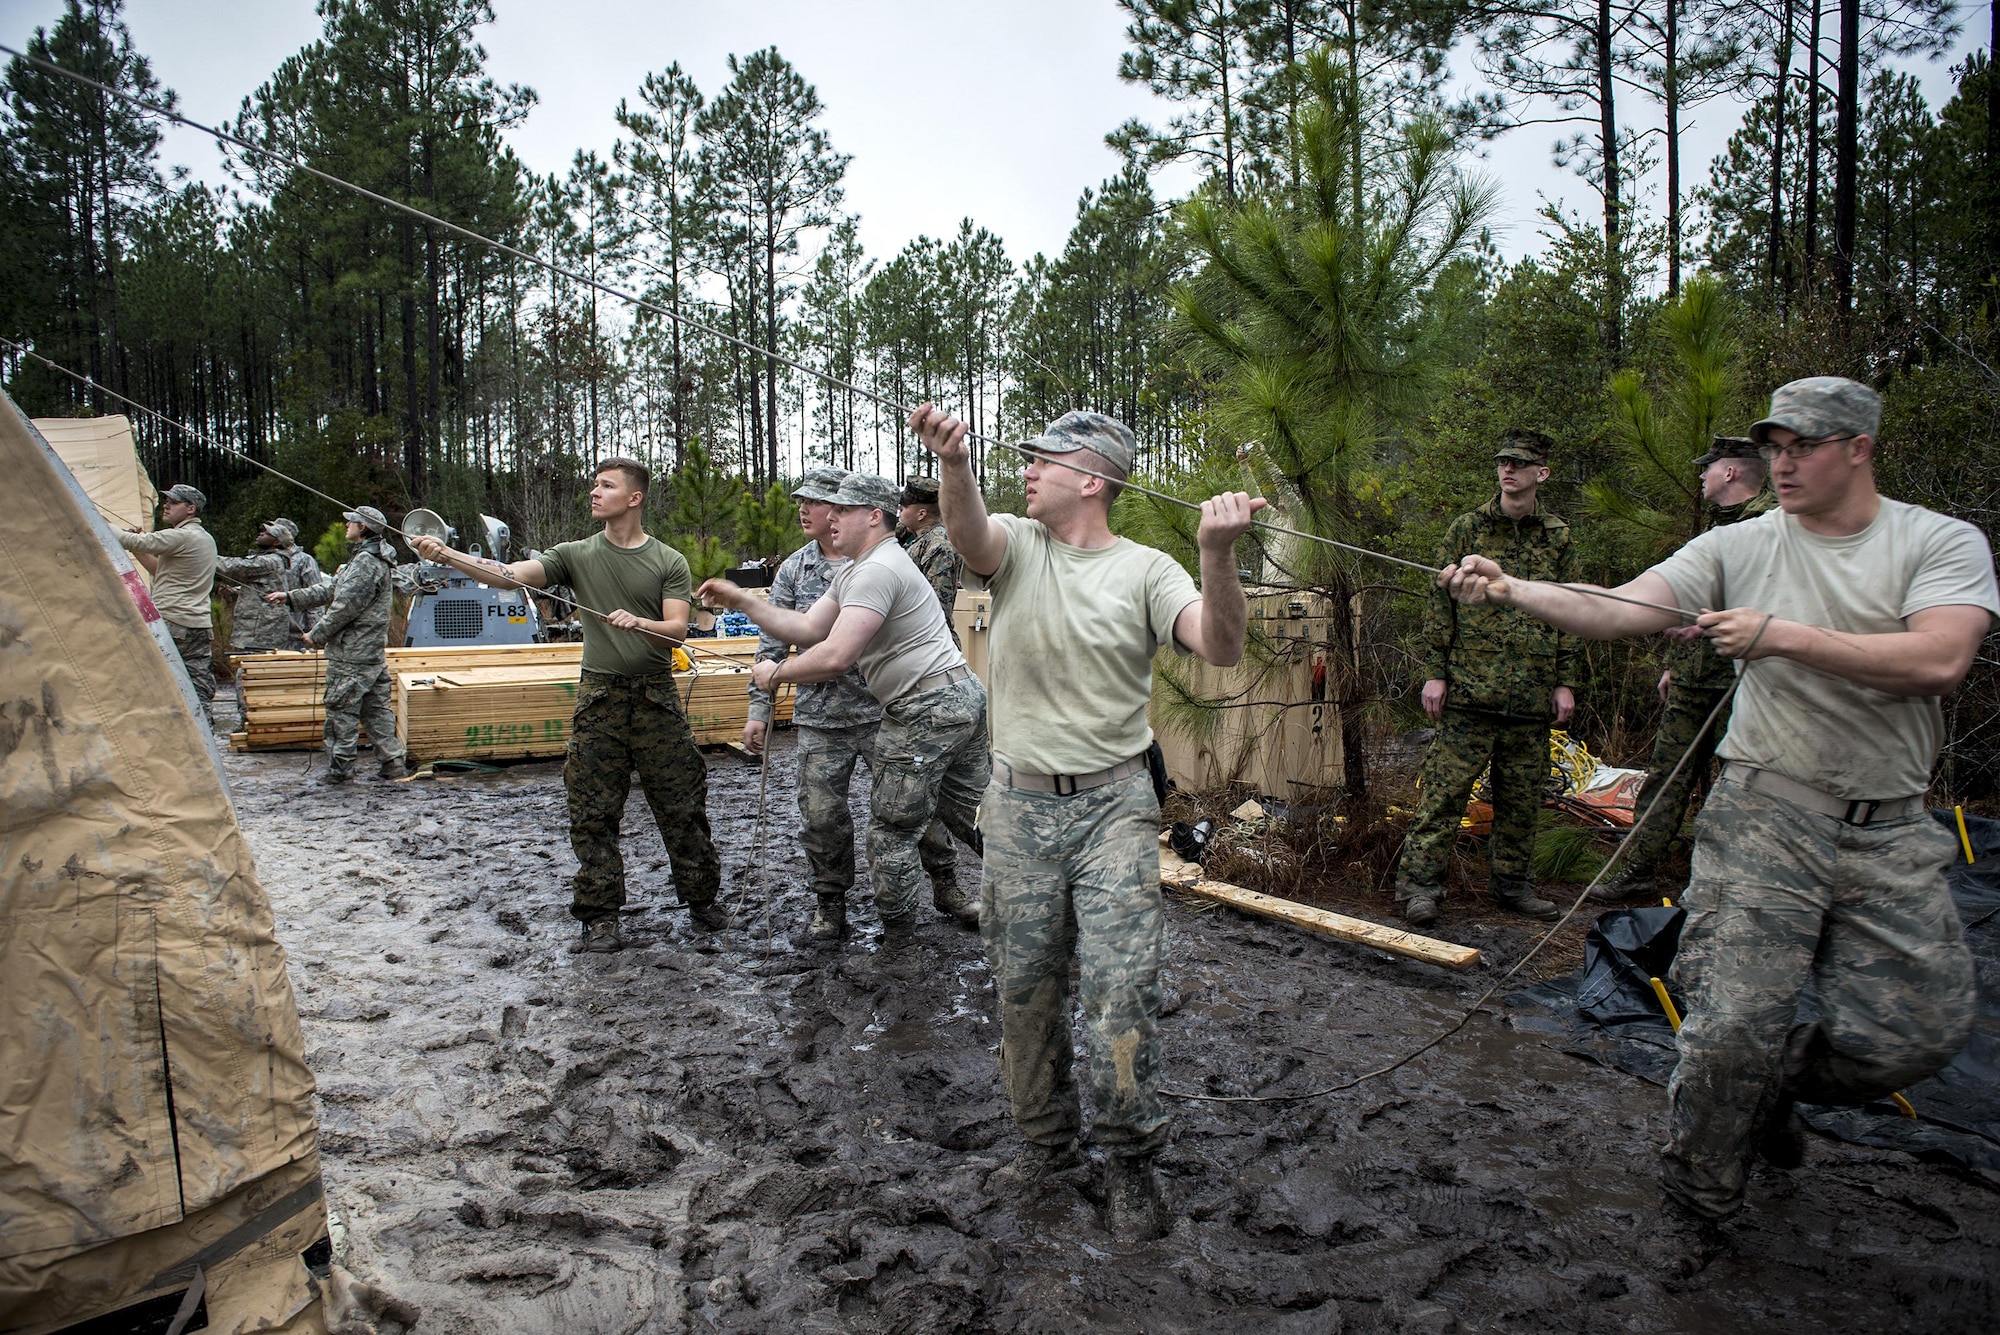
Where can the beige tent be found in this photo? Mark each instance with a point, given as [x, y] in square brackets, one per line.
[103, 456]
[157, 1137]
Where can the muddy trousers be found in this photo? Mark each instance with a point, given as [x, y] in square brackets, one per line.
[625, 725]
[931, 764]
[1781, 895]
[1686, 710]
[826, 760]
[197, 649]
[1077, 876]
[358, 695]
[1466, 743]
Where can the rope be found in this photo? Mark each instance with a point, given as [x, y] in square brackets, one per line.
[1533, 950]
[687, 322]
[492, 575]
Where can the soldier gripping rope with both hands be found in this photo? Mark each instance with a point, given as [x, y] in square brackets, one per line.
[354, 633]
[879, 615]
[1849, 615]
[1695, 681]
[629, 713]
[836, 722]
[1072, 821]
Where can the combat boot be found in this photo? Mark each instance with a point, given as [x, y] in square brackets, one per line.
[1683, 1241]
[1630, 883]
[1133, 1210]
[1418, 904]
[710, 917]
[898, 956]
[952, 901]
[336, 775]
[829, 921]
[1520, 897]
[394, 769]
[600, 937]
[1781, 1137]
[1027, 1171]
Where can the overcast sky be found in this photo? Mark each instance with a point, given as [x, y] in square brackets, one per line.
[992, 109]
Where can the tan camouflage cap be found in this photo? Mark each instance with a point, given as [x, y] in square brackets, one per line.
[368, 517]
[186, 495]
[1821, 406]
[869, 491]
[819, 483]
[1075, 431]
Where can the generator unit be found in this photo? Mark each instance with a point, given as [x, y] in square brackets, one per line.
[449, 608]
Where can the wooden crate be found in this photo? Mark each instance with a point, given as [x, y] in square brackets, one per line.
[1277, 733]
[282, 691]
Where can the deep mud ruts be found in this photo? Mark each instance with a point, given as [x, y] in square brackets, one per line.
[697, 1135]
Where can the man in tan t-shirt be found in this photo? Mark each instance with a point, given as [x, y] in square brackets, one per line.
[1815, 862]
[180, 555]
[1071, 823]
[880, 615]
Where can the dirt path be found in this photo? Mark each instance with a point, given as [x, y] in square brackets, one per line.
[694, 1136]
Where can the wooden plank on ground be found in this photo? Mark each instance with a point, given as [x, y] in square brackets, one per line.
[1186, 877]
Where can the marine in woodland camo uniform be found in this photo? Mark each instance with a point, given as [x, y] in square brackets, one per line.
[182, 583]
[354, 633]
[835, 723]
[1700, 678]
[1500, 668]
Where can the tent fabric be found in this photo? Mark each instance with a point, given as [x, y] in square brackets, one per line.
[151, 1061]
[1606, 1013]
[103, 456]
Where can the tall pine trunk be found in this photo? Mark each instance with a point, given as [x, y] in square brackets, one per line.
[1777, 237]
[1846, 138]
[1607, 128]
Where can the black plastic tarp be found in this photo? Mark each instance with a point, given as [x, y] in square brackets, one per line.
[1609, 1013]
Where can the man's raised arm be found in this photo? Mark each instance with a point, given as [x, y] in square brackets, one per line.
[979, 541]
[528, 574]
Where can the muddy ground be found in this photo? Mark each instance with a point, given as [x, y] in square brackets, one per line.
[700, 1135]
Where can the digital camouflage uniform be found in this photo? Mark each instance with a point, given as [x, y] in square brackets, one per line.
[1500, 667]
[1701, 677]
[354, 632]
[256, 626]
[931, 765]
[836, 722]
[301, 572]
[932, 554]
[1078, 874]
[1780, 894]
[625, 725]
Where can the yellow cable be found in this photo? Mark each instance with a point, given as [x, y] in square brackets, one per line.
[1964, 840]
[1666, 1003]
[1904, 1106]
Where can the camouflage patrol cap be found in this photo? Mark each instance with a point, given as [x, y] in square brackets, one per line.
[868, 491]
[920, 491]
[282, 529]
[1821, 406]
[1106, 436]
[368, 517]
[1727, 447]
[1530, 447]
[186, 495]
[819, 483]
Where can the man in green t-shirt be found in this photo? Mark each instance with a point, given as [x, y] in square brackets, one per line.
[629, 714]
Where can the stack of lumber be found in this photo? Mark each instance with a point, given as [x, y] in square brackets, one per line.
[281, 695]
